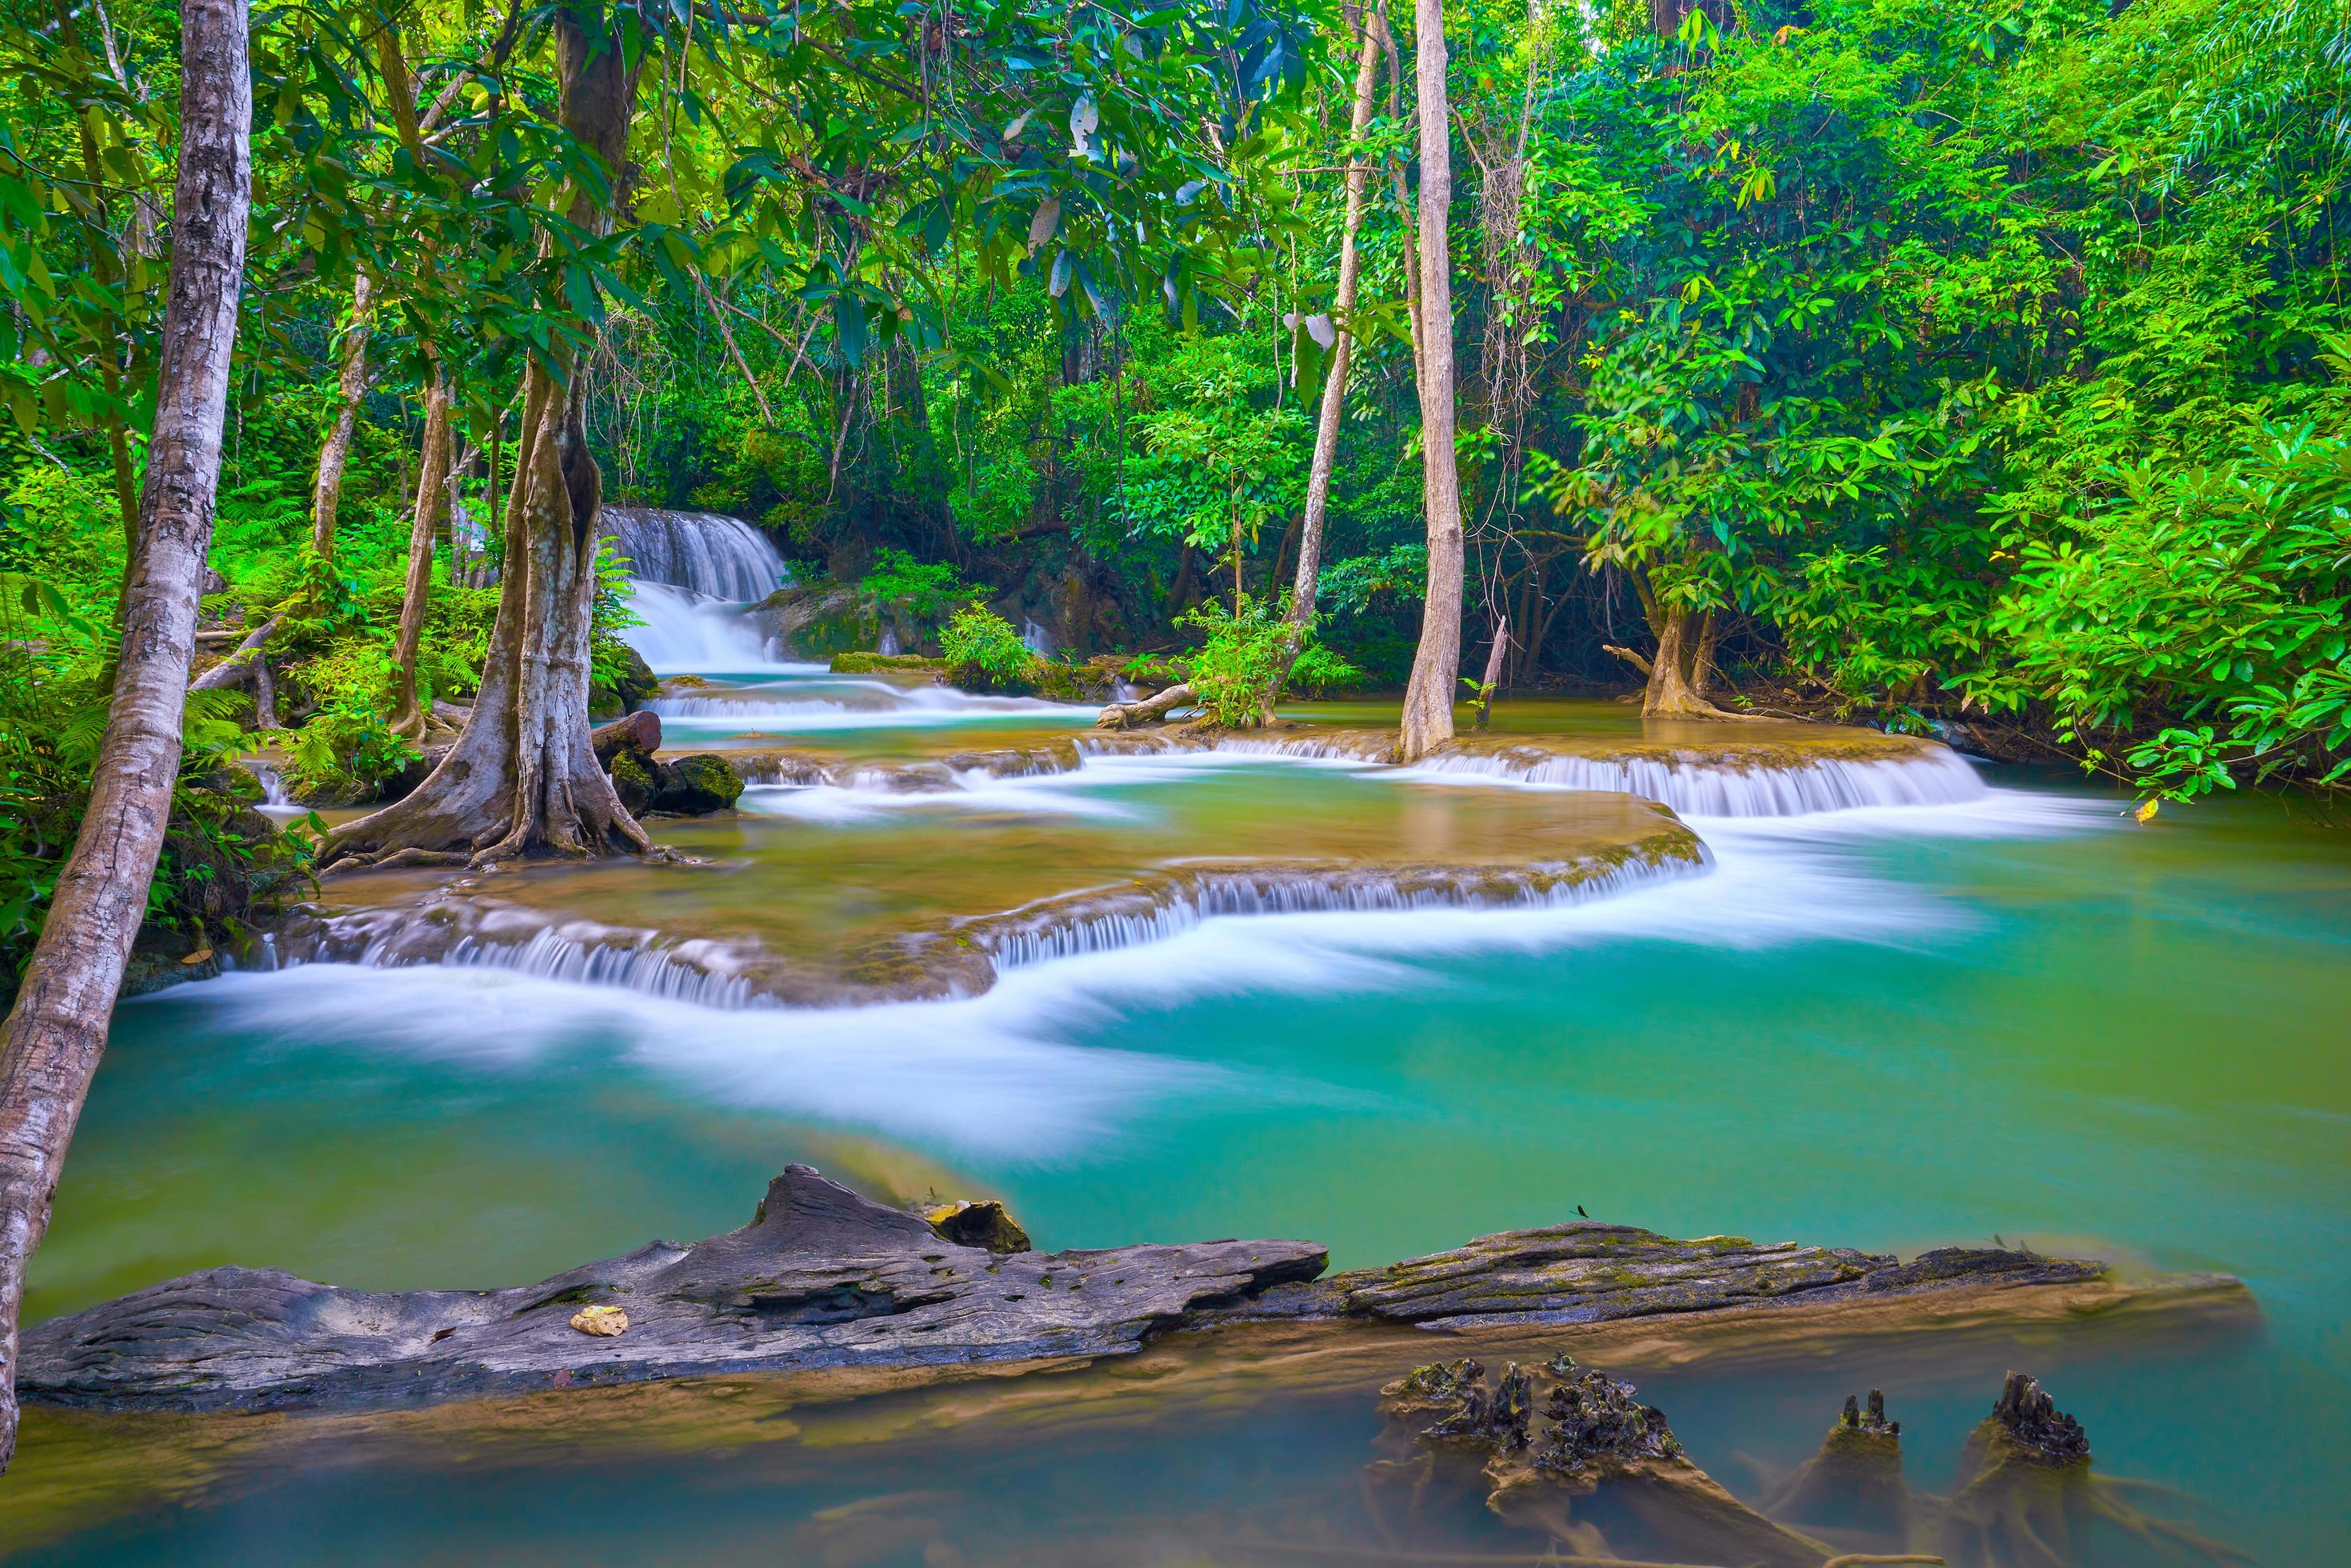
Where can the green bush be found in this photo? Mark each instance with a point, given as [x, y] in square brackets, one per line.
[1320, 672]
[1234, 674]
[984, 650]
[346, 751]
[926, 591]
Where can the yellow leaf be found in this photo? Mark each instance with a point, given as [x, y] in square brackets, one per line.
[198, 957]
[2146, 810]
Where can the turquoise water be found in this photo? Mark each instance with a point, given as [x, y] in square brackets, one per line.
[1887, 1029]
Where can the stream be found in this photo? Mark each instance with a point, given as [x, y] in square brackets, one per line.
[2004, 1008]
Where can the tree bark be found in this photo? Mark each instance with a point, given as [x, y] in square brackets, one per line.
[1334, 385]
[432, 501]
[1679, 672]
[335, 451]
[50, 1045]
[1428, 699]
[522, 781]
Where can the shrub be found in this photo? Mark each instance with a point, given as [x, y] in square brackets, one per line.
[984, 650]
[926, 591]
[1320, 672]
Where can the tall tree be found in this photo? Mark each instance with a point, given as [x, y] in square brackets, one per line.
[335, 448]
[1436, 667]
[523, 780]
[1334, 385]
[50, 1045]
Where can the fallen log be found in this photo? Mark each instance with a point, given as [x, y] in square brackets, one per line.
[823, 1279]
[245, 665]
[1146, 710]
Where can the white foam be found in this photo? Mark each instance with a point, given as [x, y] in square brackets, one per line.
[968, 1074]
[685, 631]
[1938, 778]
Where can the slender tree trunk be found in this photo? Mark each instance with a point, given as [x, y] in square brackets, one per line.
[432, 501]
[105, 266]
[523, 780]
[1428, 699]
[50, 1045]
[1494, 657]
[335, 451]
[1334, 386]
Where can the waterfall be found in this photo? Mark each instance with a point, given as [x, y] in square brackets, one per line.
[707, 554]
[690, 573]
[684, 633]
[1793, 788]
[889, 649]
[1034, 636]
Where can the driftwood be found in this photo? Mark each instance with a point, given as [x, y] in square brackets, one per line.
[1146, 710]
[823, 1279]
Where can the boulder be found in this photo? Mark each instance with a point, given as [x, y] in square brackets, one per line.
[634, 780]
[697, 785]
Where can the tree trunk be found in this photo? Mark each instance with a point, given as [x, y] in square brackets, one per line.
[1146, 710]
[1428, 699]
[105, 267]
[1334, 386]
[335, 451]
[1678, 672]
[50, 1045]
[431, 500]
[522, 781]
[1494, 657]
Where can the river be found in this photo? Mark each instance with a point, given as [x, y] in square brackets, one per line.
[2019, 1012]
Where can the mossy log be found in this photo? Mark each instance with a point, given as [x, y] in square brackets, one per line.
[823, 1281]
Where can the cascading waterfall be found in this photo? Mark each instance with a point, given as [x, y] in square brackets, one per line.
[1936, 776]
[706, 553]
[693, 572]
[1046, 936]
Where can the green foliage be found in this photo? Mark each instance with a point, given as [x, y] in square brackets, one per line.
[1319, 672]
[927, 590]
[1237, 671]
[985, 650]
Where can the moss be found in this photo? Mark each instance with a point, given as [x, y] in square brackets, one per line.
[860, 664]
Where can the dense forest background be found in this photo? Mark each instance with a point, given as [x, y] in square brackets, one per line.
[1921, 362]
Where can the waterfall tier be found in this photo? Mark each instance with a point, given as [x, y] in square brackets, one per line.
[704, 553]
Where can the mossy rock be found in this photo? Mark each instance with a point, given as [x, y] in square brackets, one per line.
[697, 785]
[882, 663]
[634, 781]
[821, 619]
[627, 691]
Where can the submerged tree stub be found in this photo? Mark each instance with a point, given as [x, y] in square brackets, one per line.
[826, 1282]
